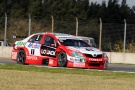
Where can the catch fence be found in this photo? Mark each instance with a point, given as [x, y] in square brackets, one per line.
[113, 37]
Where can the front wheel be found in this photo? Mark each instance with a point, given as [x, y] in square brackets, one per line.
[21, 57]
[62, 59]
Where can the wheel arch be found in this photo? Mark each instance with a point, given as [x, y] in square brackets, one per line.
[26, 51]
[61, 50]
[23, 59]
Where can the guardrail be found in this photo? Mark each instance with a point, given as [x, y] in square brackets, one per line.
[114, 57]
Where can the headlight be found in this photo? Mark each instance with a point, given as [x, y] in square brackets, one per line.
[105, 56]
[78, 55]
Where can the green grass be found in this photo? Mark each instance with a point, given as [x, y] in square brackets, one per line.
[29, 77]
[66, 70]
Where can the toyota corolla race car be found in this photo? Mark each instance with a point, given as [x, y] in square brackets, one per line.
[58, 49]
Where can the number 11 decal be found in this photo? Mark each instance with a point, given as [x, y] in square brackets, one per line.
[32, 51]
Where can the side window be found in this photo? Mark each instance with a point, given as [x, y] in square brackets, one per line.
[36, 39]
[87, 41]
[49, 40]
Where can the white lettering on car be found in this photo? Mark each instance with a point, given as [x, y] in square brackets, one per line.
[75, 59]
[47, 52]
[51, 62]
[95, 59]
[14, 55]
[79, 64]
[32, 57]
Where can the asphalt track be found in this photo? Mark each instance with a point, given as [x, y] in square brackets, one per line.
[111, 67]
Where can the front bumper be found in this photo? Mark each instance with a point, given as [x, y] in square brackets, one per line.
[102, 64]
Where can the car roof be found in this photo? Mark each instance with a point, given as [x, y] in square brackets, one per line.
[57, 35]
[60, 35]
[54, 33]
[83, 37]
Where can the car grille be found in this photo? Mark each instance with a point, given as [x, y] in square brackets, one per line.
[95, 63]
[91, 56]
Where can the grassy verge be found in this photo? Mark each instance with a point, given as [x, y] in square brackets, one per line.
[14, 77]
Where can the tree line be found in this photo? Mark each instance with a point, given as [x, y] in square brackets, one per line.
[67, 9]
[64, 12]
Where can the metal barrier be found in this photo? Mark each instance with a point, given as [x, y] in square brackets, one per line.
[114, 57]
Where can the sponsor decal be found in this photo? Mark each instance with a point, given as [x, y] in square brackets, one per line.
[21, 43]
[95, 59]
[32, 57]
[34, 45]
[48, 52]
[89, 49]
[75, 59]
[79, 64]
[50, 61]
[14, 55]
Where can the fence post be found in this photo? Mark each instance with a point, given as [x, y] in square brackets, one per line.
[76, 26]
[125, 28]
[52, 23]
[5, 35]
[100, 36]
[29, 25]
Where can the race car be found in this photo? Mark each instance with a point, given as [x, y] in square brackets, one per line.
[58, 50]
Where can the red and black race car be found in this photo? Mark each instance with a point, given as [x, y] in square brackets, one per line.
[58, 49]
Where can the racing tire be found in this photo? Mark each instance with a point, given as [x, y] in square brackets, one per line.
[21, 57]
[62, 59]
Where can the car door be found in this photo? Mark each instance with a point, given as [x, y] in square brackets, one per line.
[49, 47]
[33, 45]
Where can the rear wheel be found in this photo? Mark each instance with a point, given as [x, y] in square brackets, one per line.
[21, 57]
[62, 59]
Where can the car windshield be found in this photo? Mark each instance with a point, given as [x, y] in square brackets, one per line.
[74, 42]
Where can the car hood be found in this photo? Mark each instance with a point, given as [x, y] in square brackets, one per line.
[85, 50]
